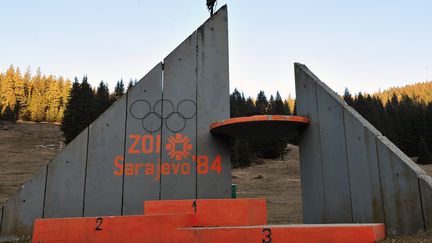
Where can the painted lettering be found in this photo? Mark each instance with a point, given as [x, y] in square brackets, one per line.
[132, 149]
[175, 167]
[118, 163]
[147, 144]
[129, 170]
[216, 165]
[202, 164]
[149, 169]
[165, 169]
[185, 168]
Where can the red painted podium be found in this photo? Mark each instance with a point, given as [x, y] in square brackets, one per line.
[202, 220]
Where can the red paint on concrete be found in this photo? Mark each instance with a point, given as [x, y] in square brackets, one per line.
[214, 212]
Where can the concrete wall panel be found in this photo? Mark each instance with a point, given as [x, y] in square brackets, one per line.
[101, 173]
[1, 217]
[383, 181]
[313, 202]
[65, 181]
[213, 105]
[104, 180]
[143, 131]
[23, 208]
[426, 195]
[400, 188]
[334, 158]
[178, 170]
[363, 167]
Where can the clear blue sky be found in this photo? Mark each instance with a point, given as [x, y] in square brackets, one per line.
[364, 45]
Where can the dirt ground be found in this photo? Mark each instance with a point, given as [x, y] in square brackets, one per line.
[278, 181]
[26, 147]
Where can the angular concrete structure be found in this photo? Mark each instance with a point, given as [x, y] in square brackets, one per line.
[350, 173]
[146, 146]
[154, 143]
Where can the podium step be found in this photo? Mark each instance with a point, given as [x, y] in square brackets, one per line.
[208, 220]
[214, 212]
[152, 228]
[322, 233]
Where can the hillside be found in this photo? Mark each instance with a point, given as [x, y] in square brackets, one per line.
[24, 149]
[419, 92]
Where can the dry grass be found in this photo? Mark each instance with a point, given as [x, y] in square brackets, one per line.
[24, 149]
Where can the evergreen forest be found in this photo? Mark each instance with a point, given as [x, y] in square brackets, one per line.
[403, 114]
[28, 97]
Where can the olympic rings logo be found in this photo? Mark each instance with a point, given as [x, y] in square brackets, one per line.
[163, 112]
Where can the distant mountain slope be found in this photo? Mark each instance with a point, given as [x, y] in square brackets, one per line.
[419, 92]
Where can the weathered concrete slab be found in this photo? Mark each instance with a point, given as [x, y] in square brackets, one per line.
[143, 143]
[104, 180]
[1, 217]
[23, 208]
[104, 170]
[400, 189]
[214, 157]
[363, 167]
[178, 170]
[310, 149]
[384, 184]
[426, 196]
[334, 159]
[64, 195]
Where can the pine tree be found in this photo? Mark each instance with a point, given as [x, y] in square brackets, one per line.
[261, 103]
[102, 99]
[427, 132]
[37, 98]
[241, 155]
[19, 90]
[424, 154]
[392, 110]
[287, 109]
[250, 107]
[7, 94]
[348, 97]
[69, 124]
[37, 105]
[79, 110]
[87, 100]
[131, 84]
[278, 107]
[53, 97]
[118, 90]
[238, 104]
[24, 113]
[291, 103]
[270, 105]
[240, 147]
[65, 90]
